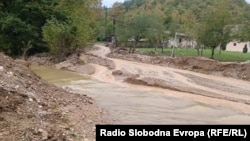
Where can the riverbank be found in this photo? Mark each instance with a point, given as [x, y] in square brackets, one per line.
[32, 109]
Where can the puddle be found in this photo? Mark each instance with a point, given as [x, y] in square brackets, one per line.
[58, 77]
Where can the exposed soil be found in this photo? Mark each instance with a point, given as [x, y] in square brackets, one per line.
[153, 70]
[32, 109]
[178, 77]
[73, 63]
[81, 64]
[50, 112]
[182, 87]
[196, 64]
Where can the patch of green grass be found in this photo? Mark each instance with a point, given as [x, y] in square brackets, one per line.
[225, 56]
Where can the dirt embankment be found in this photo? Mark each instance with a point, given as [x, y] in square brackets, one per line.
[80, 64]
[178, 85]
[32, 109]
[196, 64]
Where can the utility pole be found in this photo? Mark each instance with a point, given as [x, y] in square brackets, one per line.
[175, 44]
[106, 23]
[114, 32]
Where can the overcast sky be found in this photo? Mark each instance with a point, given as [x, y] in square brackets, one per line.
[248, 1]
[109, 3]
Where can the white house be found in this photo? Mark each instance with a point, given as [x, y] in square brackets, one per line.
[237, 46]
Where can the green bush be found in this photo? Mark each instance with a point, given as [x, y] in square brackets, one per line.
[224, 46]
[245, 50]
[13, 32]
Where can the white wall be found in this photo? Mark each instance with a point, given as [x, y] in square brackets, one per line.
[237, 46]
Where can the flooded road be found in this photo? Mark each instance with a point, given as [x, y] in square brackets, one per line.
[145, 105]
[133, 106]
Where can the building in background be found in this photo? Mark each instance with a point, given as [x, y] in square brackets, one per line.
[237, 46]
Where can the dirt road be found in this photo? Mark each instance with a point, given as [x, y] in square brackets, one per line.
[209, 89]
[139, 93]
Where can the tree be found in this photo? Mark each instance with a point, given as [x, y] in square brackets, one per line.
[157, 32]
[117, 10]
[76, 31]
[243, 33]
[1, 5]
[82, 17]
[189, 26]
[214, 22]
[13, 32]
[22, 20]
[60, 38]
[26, 47]
[127, 4]
[134, 29]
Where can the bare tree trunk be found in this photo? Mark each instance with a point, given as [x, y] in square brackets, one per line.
[162, 47]
[173, 54]
[156, 46]
[202, 48]
[25, 52]
[26, 48]
[198, 51]
[135, 44]
[220, 50]
[212, 55]
[198, 47]
[130, 47]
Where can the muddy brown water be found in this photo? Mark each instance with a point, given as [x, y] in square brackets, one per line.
[130, 105]
[58, 77]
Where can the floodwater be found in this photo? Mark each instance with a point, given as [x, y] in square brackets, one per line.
[136, 105]
[58, 77]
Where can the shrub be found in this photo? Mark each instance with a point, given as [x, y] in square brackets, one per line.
[245, 50]
[224, 46]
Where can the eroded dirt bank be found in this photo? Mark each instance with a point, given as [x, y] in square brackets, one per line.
[214, 80]
[195, 64]
[32, 109]
[163, 78]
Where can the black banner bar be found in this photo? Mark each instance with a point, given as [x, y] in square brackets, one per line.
[173, 132]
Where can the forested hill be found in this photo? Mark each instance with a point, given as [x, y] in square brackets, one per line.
[60, 26]
[210, 22]
[171, 7]
[178, 10]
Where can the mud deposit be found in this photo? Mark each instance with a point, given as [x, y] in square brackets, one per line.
[32, 109]
[142, 93]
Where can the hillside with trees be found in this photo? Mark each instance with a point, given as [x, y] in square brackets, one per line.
[62, 27]
[58, 26]
[211, 23]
